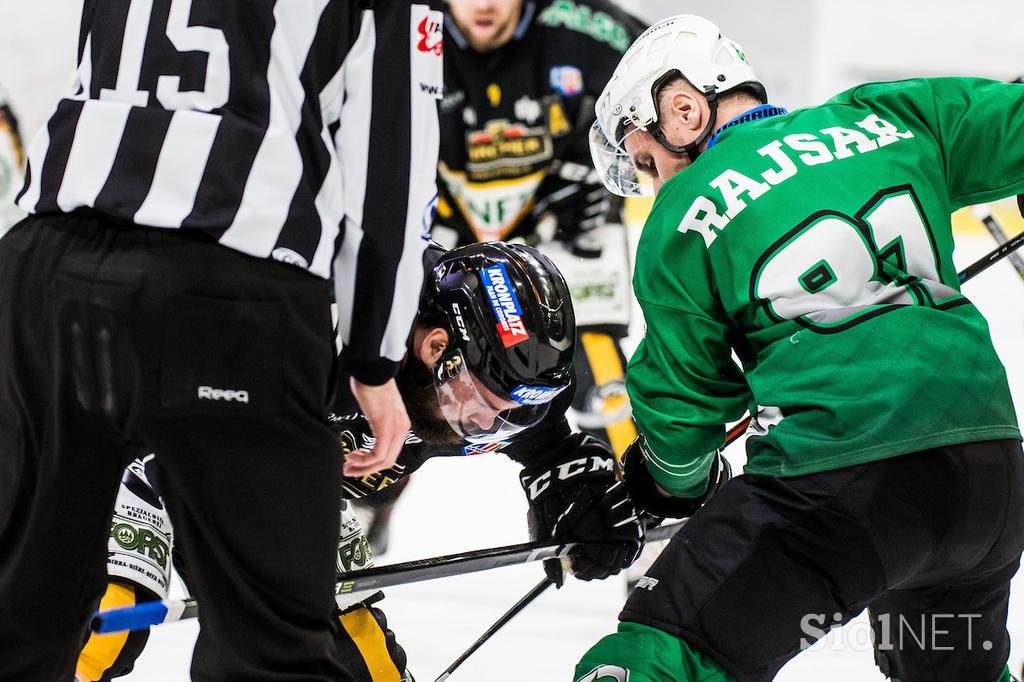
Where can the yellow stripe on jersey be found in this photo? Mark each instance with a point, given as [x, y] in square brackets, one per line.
[101, 651]
[365, 631]
[606, 367]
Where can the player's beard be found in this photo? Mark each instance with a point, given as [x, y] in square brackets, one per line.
[416, 384]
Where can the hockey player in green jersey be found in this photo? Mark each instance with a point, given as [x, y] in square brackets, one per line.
[884, 462]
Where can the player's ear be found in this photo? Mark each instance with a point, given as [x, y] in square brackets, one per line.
[686, 108]
[433, 345]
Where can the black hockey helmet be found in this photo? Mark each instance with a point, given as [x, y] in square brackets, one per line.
[513, 332]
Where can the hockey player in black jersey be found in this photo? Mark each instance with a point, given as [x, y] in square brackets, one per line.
[521, 77]
[488, 370]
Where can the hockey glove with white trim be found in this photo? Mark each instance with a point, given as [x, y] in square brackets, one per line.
[651, 500]
[578, 203]
[581, 500]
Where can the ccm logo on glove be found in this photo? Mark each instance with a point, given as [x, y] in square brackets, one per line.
[567, 470]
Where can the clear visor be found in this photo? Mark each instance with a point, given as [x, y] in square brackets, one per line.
[616, 169]
[475, 412]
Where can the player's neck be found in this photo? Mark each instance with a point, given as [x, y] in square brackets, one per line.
[731, 108]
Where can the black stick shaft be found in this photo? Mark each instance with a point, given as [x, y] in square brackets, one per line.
[992, 257]
[984, 214]
[468, 562]
[508, 615]
[155, 613]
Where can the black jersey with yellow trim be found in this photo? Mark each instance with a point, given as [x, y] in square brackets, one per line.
[514, 121]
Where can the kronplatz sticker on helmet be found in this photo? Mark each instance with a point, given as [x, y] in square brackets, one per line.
[505, 305]
[509, 311]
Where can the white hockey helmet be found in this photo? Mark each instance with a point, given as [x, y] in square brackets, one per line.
[684, 45]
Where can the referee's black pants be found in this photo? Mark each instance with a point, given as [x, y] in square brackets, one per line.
[115, 338]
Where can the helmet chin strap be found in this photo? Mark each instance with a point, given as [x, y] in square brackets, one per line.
[693, 148]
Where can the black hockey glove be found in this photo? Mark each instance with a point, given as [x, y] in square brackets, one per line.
[353, 432]
[648, 497]
[578, 205]
[581, 500]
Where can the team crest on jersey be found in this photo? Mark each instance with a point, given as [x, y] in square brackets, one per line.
[534, 395]
[567, 80]
[505, 305]
[504, 149]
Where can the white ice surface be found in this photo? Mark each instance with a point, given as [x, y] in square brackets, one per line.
[471, 503]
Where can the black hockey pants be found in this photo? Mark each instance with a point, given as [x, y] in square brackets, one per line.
[115, 338]
[927, 542]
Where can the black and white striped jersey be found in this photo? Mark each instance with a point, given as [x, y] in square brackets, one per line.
[299, 130]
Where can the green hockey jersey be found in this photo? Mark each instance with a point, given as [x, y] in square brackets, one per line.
[817, 246]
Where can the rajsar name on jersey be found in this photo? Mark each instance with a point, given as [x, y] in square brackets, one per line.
[736, 189]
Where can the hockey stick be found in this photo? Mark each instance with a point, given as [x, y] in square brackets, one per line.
[506, 617]
[997, 254]
[157, 612]
[369, 579]
[984, 213]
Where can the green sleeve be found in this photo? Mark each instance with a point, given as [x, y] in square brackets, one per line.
[977, 125]
[980, 129]
[684, 387]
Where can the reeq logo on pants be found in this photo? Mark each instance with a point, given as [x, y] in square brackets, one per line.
[505, 305]
[229, 395]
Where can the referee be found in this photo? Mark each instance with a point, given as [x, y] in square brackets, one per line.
[218, 164]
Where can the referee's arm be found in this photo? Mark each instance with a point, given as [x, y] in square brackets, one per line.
[387, 141]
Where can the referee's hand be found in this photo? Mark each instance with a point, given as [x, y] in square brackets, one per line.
[384, 410]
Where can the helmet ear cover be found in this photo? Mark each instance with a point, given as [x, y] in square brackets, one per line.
[692, 149]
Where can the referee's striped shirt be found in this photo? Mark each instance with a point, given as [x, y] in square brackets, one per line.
[299, 130]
